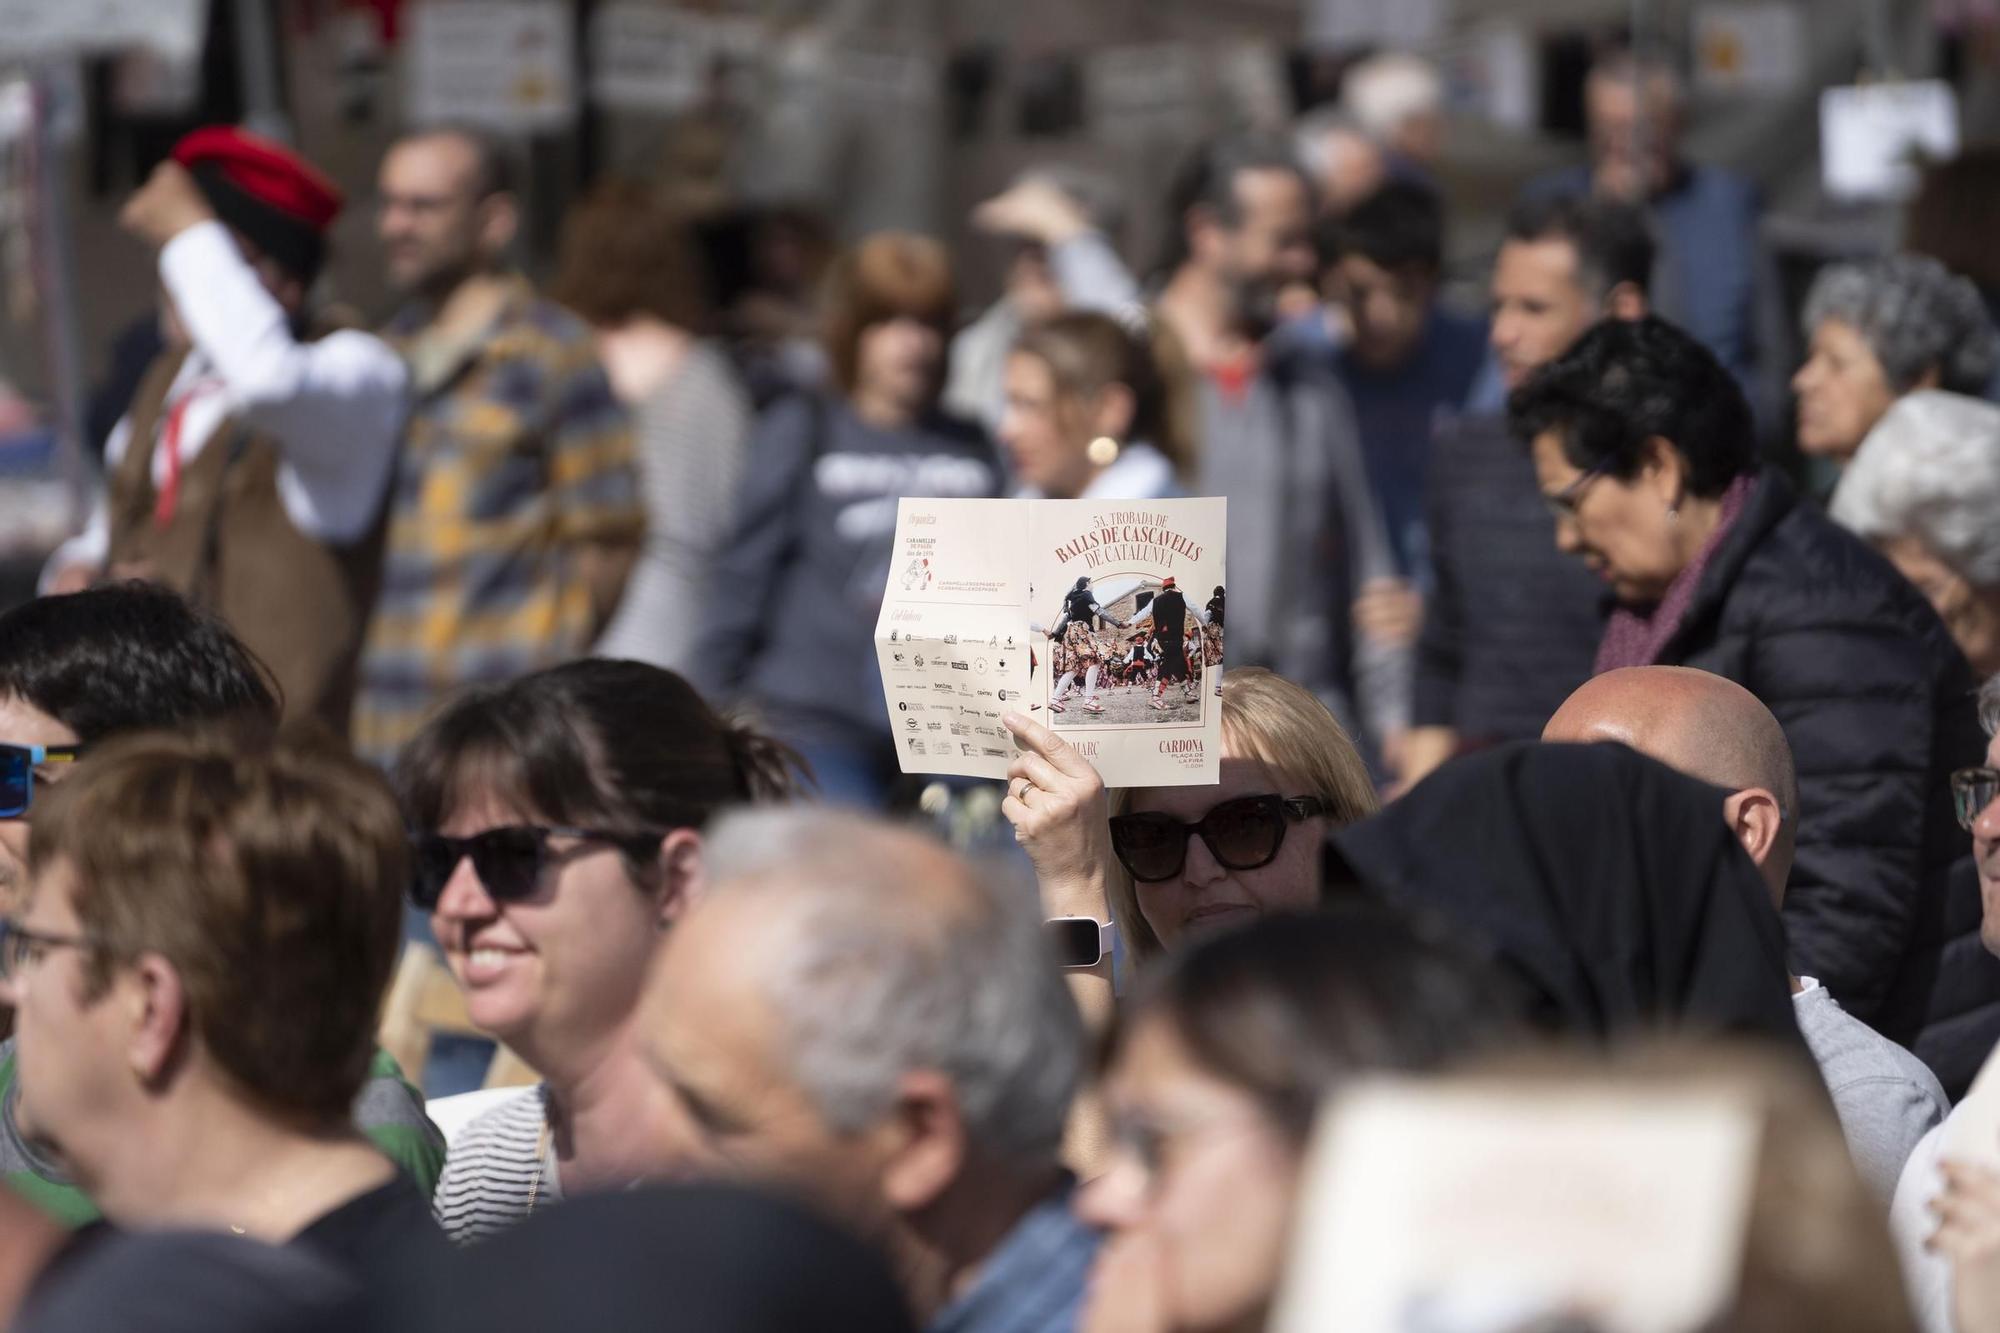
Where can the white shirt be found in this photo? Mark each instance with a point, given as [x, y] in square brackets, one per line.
[334, 406]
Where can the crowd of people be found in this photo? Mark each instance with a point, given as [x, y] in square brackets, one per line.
[1594, 797]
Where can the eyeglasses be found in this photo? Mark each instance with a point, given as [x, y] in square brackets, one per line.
[1564, 502]
[20, 947]
[1242, 834]
[17, 773]
[509, 861]
[1972, 790]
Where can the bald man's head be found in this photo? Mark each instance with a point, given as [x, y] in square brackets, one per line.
[1704, 725]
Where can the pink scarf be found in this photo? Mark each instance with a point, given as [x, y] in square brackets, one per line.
[1638, 637]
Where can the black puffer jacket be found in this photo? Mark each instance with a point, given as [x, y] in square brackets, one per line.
[1878, 704]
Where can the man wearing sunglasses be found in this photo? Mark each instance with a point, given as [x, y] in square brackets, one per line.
[76, 672]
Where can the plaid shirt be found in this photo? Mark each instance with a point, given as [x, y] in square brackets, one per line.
[516, 454]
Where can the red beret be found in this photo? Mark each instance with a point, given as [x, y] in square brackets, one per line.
[266, 171]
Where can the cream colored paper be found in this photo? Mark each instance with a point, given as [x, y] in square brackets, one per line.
[1429, 1209]
[975, 589]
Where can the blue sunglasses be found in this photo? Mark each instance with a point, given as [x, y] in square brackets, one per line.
[17, 773]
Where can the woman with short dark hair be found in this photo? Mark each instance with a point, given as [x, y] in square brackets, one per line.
[1645, 453]
[559, 829]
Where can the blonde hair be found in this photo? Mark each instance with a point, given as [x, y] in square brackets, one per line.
[1086, 352]
[1287, 730]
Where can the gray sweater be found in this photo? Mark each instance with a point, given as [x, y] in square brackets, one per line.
[789, 620]
[1886, 1098]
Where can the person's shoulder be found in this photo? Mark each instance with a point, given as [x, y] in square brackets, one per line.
[1849, 1051]
[1721, 185]
[170, 1282]
[556, 323]
[1807, 567]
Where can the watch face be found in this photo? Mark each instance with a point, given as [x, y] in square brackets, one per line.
[1075, 940]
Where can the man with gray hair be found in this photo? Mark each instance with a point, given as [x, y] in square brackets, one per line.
[1713, 729]
[858, 1014]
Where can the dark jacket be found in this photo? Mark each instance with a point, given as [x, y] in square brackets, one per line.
[1599, 879]
[1878, 704]
[1512, 624]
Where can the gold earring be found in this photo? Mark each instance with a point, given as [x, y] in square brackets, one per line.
[1103, 451]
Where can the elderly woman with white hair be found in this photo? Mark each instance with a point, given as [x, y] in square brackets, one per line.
[1925, 489]
[1879, 330]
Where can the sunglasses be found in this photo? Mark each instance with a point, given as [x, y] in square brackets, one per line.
[509, 861]
[1972, 790]
[1242, 834]
[17, 773]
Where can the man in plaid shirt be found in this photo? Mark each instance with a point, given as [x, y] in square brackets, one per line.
[515, 512]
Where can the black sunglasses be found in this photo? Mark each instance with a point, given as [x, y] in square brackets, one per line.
[1972, 790]
[509, 860]
[1242, 834]
[17, 773]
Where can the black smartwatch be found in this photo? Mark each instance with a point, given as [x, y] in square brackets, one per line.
[1081, 941]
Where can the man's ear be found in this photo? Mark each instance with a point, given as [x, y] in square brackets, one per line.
[155, 1003]
[929, 1145]
[1756, 820]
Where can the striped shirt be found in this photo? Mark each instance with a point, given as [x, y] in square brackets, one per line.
[516, 456]
[502, 1167]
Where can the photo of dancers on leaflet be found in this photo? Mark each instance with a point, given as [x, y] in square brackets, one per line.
[1127, 649]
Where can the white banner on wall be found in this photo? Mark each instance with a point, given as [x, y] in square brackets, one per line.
[1873, 137]
[646, 58]
[172, 29]
[507, 65]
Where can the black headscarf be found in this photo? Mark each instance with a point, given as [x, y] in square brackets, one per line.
[1604, 881]
[706, 1258]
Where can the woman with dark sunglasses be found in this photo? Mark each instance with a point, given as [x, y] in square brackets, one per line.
[1169, 863]
[558, 829]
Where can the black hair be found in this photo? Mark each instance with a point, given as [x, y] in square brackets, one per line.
[1400, 228]
[1292, 1006]
[1207, 179]
[1626, 381]
[1613, 244]
[619, 745]
[130, 657]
